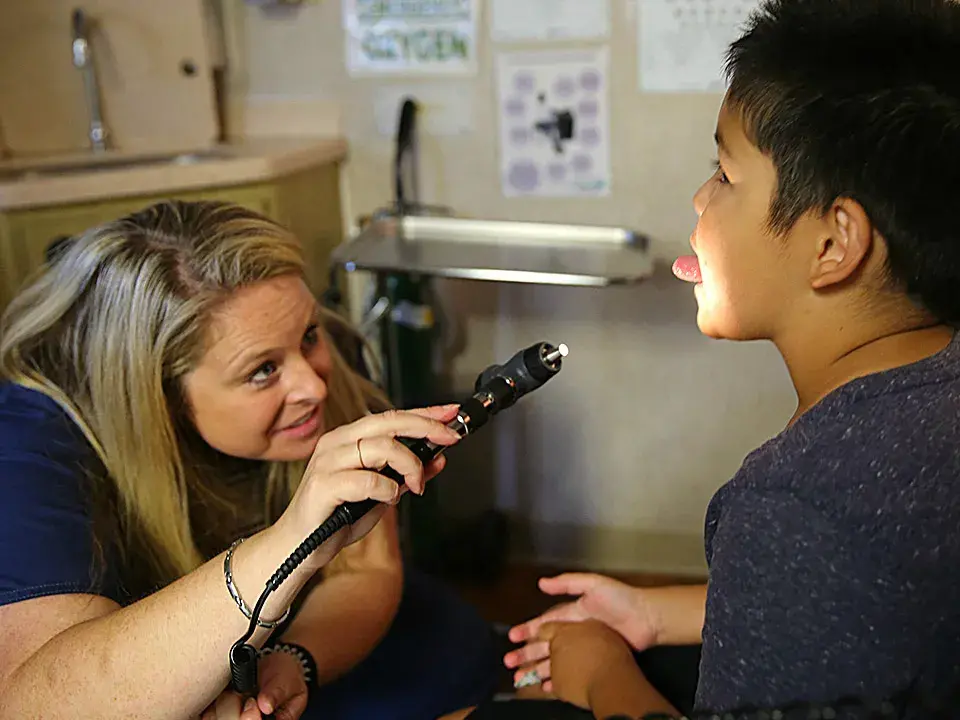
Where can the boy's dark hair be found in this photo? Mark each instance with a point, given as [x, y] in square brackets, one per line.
[861, 99]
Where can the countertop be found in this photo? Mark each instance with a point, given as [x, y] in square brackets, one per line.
[34, 182]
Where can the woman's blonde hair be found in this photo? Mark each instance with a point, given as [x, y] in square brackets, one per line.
[110, 328]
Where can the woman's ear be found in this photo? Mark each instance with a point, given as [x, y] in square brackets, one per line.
[844, 246]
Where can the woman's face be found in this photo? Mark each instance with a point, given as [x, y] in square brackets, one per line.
[259, 389]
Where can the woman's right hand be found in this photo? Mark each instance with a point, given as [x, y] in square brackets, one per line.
[617, 605]
[344, 468]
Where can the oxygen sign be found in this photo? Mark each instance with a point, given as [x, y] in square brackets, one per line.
[411, 36]
[439, 45]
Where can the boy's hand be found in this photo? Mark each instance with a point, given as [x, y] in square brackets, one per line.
[283, 690]
[615, 604]
[583, 654]
[283, 693]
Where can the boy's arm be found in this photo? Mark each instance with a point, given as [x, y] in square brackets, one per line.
[644, 617]
[624, 691]
[594, 668]
[679, 611]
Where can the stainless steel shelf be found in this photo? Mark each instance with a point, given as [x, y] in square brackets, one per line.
[499, 251]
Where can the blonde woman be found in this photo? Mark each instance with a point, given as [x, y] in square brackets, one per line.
[169, 387]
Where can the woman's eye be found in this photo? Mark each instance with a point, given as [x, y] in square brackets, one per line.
[311, 336]
[263, 373]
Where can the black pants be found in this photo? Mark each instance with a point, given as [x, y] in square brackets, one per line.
[673, 671]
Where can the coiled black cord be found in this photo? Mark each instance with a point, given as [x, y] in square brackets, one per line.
[243, 656]
[498, 387]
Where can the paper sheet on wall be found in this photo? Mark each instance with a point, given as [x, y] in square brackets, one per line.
[682, 43]
[554, 123]
[414, 37]
[513, 20]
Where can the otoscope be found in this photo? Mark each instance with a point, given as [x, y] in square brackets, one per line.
[497, 388]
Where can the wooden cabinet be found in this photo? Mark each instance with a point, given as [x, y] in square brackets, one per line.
[307, 202]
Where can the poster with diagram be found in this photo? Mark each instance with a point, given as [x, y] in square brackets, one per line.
[682, 43]
[554, 123]
[411, 37]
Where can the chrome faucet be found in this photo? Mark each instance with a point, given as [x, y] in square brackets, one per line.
[83, 61]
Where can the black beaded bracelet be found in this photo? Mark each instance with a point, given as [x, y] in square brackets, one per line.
[303, 656]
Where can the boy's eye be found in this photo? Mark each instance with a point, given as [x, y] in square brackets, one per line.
[263, 373]
[720, 174]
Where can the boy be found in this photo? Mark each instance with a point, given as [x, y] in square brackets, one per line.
[829, 229]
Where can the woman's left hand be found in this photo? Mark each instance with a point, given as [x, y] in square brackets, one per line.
[283, 693]
[581, 654]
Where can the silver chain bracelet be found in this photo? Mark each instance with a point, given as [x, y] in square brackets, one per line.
[235, 594]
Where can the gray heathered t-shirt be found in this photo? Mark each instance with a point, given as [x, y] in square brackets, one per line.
[834, 552]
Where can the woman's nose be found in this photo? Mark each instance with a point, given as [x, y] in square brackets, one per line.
[304, 384]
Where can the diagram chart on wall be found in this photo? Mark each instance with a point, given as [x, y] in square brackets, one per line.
[682, 43]
[411, 36]
[554, 123]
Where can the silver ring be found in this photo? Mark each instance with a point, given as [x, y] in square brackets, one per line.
[531, 677]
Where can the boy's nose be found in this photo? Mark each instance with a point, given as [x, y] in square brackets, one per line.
[700, 198]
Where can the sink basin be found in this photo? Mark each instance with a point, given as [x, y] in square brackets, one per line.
[15, 170]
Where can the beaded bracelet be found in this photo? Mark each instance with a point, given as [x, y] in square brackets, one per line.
[307, 664]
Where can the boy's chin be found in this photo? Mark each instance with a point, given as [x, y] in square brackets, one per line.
[714, 327]
[711, 331]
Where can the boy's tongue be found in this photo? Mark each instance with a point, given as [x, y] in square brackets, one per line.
[687, 267]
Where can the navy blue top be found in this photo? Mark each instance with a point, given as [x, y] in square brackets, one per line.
[46, 544]
[439, 655]
[834, 551]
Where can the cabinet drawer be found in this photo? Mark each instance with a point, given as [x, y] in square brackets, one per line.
[25, 235]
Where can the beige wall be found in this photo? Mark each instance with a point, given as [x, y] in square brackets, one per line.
[613, 463]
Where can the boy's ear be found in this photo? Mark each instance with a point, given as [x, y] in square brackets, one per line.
[844, 246]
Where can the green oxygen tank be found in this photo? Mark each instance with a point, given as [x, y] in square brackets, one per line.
[408, 335]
